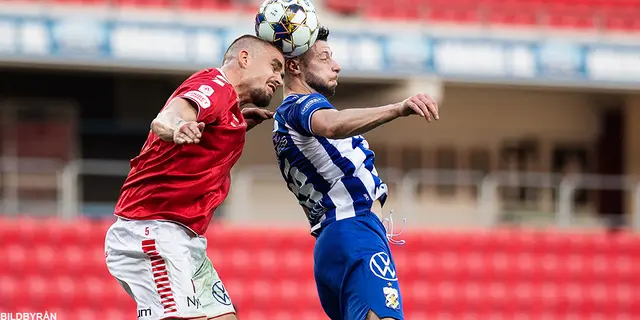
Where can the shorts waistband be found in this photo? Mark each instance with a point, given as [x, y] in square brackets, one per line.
[188, 230]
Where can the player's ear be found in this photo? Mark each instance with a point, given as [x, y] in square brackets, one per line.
[243, 59]
[292, 66]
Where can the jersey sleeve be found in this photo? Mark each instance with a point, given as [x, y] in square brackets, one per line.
[210, 98]
[299, 116]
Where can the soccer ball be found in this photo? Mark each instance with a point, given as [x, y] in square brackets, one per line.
[292, 25]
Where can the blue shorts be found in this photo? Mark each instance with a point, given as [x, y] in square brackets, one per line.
[354, 270]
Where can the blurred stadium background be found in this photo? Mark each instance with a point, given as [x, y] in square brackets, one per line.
[522, 202]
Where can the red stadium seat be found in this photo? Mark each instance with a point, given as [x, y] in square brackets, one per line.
[17, 258]
[144, 3]
[619, 15]
[500, 274]
[614, 15]
[459, 11]
[578, 15]
[80, 2]
[343, 7]
[512, 12]
[9, 290]
[217, 5]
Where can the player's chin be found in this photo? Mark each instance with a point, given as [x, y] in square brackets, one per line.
[262, 100]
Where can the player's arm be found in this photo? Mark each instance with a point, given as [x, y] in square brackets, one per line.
[255, 116]
[195, 104]
[178, 123]
[334, 124]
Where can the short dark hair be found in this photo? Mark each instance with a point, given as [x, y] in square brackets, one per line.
[323, 34]
[247, 41]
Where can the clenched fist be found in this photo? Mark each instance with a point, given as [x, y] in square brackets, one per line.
[422, 105]
[188, 132]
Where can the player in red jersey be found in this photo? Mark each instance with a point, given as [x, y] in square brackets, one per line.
[156, 248]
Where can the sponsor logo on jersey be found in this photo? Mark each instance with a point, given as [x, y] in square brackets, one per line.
[200, 98]
[236, 122]
[143, 313]
[207, 90]
[193, 302]
[301, 100]
[310, 104]
[381, 266]
[220, 293]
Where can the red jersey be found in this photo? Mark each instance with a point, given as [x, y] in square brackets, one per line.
[186, 183]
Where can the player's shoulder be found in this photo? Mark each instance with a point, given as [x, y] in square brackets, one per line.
[211, 80]
[312, 99]
[301, 102]
[209, 73]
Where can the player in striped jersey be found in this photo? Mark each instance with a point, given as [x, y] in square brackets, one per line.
[328, 166]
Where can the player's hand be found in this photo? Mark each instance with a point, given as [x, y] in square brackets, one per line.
[255, 116]
[188, 132]
[421, 104]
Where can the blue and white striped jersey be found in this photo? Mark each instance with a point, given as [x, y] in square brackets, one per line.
[333, 179]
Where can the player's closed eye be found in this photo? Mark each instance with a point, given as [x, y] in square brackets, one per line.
[276, 65]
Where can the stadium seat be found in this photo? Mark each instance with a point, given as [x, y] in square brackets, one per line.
[195, 5]
[578, 15]
[613, 15]
[512, 12]
[79, 2]
[344, 7]
[619, 15]
[498, 274]
[144, 3]
[9, 290]
[458, 11]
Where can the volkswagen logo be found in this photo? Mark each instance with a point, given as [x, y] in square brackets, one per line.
[220, 294]
[380, 264]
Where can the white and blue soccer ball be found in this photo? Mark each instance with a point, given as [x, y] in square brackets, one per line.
[292, 25]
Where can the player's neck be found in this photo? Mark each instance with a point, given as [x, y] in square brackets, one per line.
[235, 78]
[231, 75]
[297, 87]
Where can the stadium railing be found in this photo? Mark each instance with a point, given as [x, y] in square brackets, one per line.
[488, 188]
[24, 179]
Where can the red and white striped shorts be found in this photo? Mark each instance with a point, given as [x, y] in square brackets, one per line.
[164, 267]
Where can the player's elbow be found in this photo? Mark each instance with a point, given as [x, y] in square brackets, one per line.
[327, 124]
[331, 131]
[155, 125]
[339, 132]
[161, 130]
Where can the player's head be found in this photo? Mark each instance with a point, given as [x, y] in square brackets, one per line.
[316, 67]
[259, 66]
